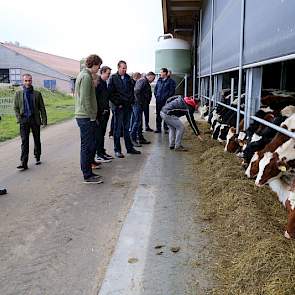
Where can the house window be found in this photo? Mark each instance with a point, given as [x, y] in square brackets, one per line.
[50, 84]
[4, 76]
[15, 77]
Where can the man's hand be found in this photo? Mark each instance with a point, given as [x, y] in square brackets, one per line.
[120, 106]
[44, 125]
[200, 138]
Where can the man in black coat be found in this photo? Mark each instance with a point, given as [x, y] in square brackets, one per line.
[103, 114]
[142, 94]
[122, 98]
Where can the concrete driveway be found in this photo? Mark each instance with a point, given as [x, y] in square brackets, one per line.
[60, 236]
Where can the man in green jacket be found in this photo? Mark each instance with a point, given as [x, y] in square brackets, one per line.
[30, 114]
[86, 116]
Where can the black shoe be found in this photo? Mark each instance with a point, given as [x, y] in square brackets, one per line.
[166, 131]
[144, 141]
[149, 129]
[135, 143]
[133, 152]
[22, 167]
[107, 156]
[38, 162]
[3, 191]
[93, 180]
[119, 155]
[171, 147]
[158, 131]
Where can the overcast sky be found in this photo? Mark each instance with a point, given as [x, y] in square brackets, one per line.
[113, 29]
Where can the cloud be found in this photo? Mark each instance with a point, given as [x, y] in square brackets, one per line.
[114, 29]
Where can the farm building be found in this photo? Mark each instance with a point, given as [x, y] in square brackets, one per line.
[238, 58]
[244, 46]
[48, 70]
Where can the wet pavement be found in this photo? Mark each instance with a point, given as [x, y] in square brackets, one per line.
[162, 236]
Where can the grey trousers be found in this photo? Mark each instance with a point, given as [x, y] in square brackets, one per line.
[176, 129]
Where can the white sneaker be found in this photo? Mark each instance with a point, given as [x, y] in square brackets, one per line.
[102, 160]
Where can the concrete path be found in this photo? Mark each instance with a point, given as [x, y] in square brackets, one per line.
[56, 233]
[162, 236]
[59, 236]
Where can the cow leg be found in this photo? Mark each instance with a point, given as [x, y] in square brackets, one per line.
[290, 228]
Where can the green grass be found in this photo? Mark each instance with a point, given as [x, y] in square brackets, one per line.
[59, 107]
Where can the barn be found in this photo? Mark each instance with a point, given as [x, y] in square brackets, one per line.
[242, 46]
[243, 64]
[48, 70]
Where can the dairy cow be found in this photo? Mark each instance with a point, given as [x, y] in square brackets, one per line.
[273, 165]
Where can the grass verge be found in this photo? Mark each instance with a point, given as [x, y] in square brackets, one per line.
[59, 107]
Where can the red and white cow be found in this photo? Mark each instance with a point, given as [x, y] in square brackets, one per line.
[273, 165]
[277, 141]
[286, 195]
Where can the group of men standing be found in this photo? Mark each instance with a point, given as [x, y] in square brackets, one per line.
[95, 97]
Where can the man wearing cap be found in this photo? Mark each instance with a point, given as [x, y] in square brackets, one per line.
[176, 107]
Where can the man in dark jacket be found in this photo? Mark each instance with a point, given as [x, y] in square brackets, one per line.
[164, 89]
[178, 106]
[121, 96]
[103, 114]
[30, 114]
[142, 94]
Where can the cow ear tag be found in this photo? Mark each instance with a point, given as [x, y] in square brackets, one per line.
[283, 168]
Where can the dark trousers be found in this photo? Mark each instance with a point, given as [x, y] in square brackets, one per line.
[136, 128]
[122, 118]
[87, 152]
[111, 133]
[146, 112]
[159, 106]
[100, 133]
[26, 125]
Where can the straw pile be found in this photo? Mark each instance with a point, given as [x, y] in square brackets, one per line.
[245, 224]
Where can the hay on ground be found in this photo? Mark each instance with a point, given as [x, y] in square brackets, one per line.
[245, 223]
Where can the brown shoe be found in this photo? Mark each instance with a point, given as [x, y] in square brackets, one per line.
[181, 149]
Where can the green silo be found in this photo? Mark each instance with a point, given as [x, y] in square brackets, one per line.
[174, 54]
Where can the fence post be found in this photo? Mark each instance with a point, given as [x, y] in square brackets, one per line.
[253, 93]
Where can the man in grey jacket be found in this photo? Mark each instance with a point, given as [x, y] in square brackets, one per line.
[142, 94]
[178, 106]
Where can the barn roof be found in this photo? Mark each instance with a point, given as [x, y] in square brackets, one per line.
[67, 66]
[179, 17]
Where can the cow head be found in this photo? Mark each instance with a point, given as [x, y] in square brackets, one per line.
[223, 132]
[253, 166]
[203, 111]
[232, 144]
[270, 166]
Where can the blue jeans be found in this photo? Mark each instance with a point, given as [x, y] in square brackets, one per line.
[146, 111]
[136, 129]
[122, 118]
[88, 143]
